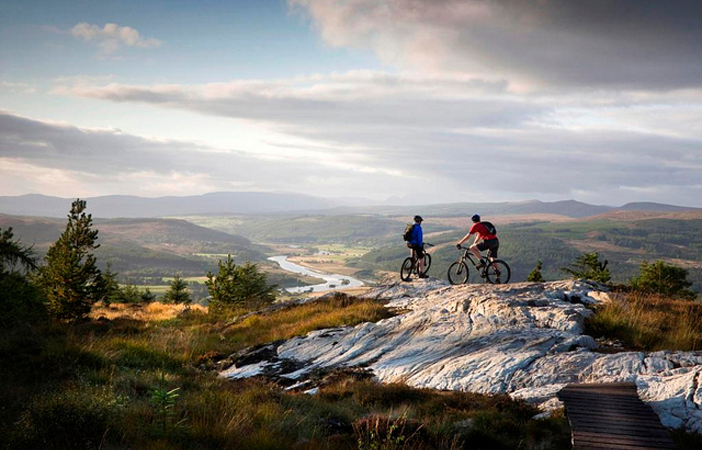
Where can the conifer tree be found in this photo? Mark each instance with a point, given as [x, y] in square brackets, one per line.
[178, 292]
[535, 275]
[589, 267]
[70, 279]
[238, 286]
[19, 298]
[665, 279]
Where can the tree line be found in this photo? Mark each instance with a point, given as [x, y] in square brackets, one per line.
[69, 282]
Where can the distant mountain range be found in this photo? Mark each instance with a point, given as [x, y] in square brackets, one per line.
[229, 203]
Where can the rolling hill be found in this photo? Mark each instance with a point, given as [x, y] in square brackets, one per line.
[257, 203]
[142, 247]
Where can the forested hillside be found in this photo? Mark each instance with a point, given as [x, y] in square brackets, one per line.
[143, 247]
[624, 244]
[361, 229]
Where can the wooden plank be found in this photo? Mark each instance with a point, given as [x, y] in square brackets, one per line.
[611, 416]
[614, 429]
[607, 438]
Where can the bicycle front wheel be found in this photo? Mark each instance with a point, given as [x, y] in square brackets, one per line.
[458, 273]
[427, 262]
[497, 272]
[406, 269]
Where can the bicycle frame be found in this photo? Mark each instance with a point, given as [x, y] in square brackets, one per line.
[467, 254]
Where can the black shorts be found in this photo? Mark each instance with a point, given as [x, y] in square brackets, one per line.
[491, 245]
[418, 250]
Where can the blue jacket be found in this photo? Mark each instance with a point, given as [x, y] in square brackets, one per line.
[417, 235]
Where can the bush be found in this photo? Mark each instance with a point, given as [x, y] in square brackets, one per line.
[589, 267]
[535, 275]
[178, 292]
[664, 279]
[238, 287]
[71, 419]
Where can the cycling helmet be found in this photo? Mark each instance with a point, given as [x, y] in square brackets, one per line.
[418, 219]
[475, 218]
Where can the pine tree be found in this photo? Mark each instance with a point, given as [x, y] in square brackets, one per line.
[13, 253]
[178, 292]
[20, 299]
[238, 286]
[112, 292]
[535, 275]
[70, 279]
[589, 267]
[665, 279]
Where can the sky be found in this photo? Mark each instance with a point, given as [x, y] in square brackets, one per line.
[406, 101]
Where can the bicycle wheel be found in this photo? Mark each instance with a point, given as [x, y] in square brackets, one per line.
[497, 272]
[427, 262]
[406, 270]
[458, 273]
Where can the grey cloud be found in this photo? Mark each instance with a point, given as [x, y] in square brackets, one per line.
[486, 141]
[107, 156]
[645, 44]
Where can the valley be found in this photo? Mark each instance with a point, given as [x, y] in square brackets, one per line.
[365, 243]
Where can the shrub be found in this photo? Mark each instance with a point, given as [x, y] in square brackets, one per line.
[178, 292]
[535, 275]
[589, 267]
[664, 279]
[78, 418]
[238, 287]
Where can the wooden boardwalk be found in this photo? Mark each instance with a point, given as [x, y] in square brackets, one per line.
[612, 416]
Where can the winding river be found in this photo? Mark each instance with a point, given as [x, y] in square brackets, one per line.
[333, 281]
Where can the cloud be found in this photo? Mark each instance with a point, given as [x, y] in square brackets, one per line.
[533, 44]
[21, 88]
[111, 37]
[451, 134]
[106, 161]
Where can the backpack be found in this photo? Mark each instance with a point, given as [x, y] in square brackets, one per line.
[490, 227]
[407, 235]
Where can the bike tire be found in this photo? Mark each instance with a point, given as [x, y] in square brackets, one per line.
[458, 273]
[406, 269]
[427, 262]
[497, 272]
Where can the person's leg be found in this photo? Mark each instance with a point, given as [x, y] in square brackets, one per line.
[475, 251]
[419, 253]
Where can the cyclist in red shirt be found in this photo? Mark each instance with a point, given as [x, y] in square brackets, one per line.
[484, 240]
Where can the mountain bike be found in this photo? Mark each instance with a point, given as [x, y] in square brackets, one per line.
[493, 272]
[410, 266]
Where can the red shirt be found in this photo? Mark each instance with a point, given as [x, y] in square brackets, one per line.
[482, 231]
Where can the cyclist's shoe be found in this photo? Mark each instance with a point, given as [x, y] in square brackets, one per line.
[423, 276]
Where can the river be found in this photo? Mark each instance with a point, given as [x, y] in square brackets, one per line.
[333, 281]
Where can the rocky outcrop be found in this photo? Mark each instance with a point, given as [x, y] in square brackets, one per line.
[524, 339]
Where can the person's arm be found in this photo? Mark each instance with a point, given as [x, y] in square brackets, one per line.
[465, 238]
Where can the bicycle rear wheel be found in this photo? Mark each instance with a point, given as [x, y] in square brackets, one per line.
[427, 262]
[458, 273]
[498, 272]
[406, 269]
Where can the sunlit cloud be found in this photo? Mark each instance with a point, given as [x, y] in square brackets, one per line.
[111, 37]
[531, 44]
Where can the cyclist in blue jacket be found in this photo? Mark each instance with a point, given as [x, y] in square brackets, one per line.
[417, 244]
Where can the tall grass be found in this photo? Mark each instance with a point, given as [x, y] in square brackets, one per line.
[95, 385]
[649, 322]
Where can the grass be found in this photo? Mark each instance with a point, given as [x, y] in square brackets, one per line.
[137, 381]
[102, 384]
[649, 322]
